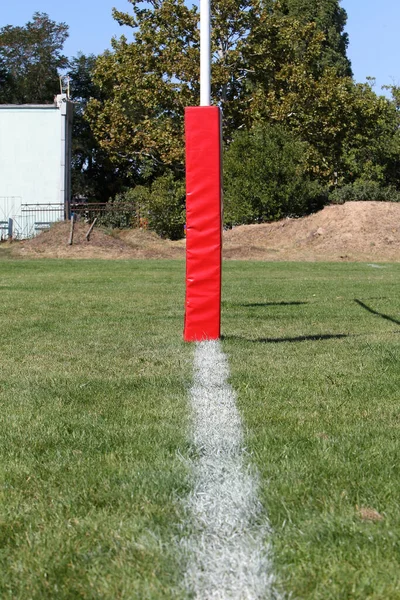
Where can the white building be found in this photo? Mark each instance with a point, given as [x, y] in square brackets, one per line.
[35, 171]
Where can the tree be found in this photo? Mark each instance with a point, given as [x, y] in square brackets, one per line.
[341, 121]
[330, 18]
[32, 59]
[371, 151]
[260, 54]
[5, 83]
[274, 63]
[94, 176]
[148, 83]
[266, 177]
[153, 78]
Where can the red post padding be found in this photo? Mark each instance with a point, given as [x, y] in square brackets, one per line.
[203, 223]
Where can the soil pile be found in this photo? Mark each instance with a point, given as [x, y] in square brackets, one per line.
[355, 231]
[102, 243]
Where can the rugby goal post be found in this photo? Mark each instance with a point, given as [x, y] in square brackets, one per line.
[203, 125]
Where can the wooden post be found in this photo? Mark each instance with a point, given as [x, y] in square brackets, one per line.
[87, 236]
[71, 231]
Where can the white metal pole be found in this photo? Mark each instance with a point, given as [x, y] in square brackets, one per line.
[205, 53]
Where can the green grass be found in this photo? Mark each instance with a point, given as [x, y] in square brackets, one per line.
[323, 418]
[93, 419]
[93, 416]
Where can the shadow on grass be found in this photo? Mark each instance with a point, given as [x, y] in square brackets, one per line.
[273, 304]
[300, 338]
[375, 312]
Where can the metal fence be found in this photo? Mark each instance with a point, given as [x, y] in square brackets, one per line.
[88, 210]
[6, 229]
[9, 207]
[38, 217]
[19, 220]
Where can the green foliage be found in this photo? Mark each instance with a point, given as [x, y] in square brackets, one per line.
[5, 82]
[330, 18]
[159, 207]
[370, 148]
[127, 210]
[147, 84]
[31, 58]
[343, 122]
[152, 79]
[265, 177]
[94, 175]
[364, 190]
[167, 206]
[272, 62]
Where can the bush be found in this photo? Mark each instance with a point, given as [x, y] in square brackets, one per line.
[364, 190]
[167, 206]
[159, 207]
[128, 209]
[265, 177]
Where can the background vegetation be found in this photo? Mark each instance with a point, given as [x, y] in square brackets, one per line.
[280, 73]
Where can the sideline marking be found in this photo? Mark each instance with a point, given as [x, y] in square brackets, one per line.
[228, 549]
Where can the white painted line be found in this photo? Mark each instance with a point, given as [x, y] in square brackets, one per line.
[228, 549]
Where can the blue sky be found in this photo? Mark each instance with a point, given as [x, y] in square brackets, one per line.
[372, 27]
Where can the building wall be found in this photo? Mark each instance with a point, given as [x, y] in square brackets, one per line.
[34, 165]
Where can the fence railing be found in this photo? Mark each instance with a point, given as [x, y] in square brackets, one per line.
[6, 229]
[88, 210]
[39, 217]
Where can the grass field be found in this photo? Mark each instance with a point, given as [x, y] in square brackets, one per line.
[94, 424]
[314, 353]
[93, 413]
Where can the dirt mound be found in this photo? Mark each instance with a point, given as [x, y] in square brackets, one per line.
[102, 244]
[355, 231]
[147, 244]
[54, 243]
